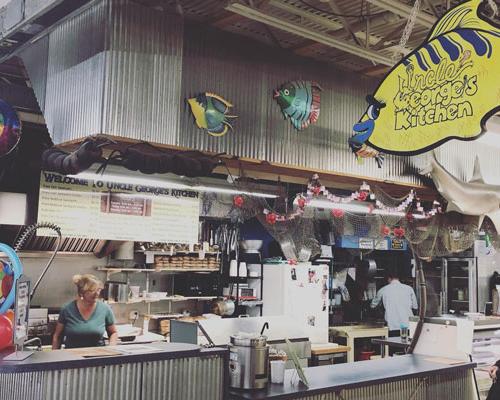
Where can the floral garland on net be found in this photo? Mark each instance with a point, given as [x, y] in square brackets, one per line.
[315, 189]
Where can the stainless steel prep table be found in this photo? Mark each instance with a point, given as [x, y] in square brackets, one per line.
[162, 370]
[394, 378]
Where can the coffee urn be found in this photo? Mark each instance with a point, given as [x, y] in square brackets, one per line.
[248, 361]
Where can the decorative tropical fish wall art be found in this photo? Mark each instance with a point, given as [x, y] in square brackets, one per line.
[299, 101]
[10, 129]
[445, 89]
[210, 113]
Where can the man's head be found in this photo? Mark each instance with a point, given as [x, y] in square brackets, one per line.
[391, 276]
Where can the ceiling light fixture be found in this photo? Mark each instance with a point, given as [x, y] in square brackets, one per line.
[167, 184]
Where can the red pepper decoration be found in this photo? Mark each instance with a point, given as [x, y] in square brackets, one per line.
[238, 201]
[301, 202]
[338, 213]
[316, 190]
[271, 218]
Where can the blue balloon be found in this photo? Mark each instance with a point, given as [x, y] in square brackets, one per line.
[17, 268]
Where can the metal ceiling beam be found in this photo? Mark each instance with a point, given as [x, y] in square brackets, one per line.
[295, 29]
[328, 23]
[404, 11]
[346, 25]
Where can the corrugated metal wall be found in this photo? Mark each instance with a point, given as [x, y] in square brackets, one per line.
[246, 73]
[143, 73]
[186, 379]
[124, 69]
[75, 72]
[456, 386]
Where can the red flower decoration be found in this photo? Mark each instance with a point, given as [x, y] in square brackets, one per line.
[385, 230]
[338, 213]
[316, 190]
[301, 202]
[362, 196]
[238, 201]
[399, 232]
[271, 218]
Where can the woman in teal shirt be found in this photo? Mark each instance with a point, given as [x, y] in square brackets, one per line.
[82, 322]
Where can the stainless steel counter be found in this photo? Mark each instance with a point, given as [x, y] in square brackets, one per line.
[161, 371]
[394, 378]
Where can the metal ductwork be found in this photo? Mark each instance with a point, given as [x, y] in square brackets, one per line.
[113, 68]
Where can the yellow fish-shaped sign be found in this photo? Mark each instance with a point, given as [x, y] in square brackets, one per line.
[445, 89]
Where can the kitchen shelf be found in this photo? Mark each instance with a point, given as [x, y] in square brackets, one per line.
[251, 303]
[168, 298]
[243, 278]
[167, 253]
[166, 269]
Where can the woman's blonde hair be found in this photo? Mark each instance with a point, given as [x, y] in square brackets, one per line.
[87, 282]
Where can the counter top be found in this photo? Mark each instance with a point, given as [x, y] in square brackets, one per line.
[329, 378]
[63, 359]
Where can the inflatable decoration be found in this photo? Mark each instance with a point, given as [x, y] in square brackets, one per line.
[210, 113]
[6, 332]
[445, 89]
[299, 101]
[10, 129]
[470, 198]
[13, 271]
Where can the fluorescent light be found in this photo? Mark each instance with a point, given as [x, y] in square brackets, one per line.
[130, 180]
[232, 191]
[357, 208]
[165, 184]
[318, 203]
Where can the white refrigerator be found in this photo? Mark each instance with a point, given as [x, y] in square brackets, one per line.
[300, 292]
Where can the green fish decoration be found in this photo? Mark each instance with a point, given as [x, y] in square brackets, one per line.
[210, 113]
[445, 89]
[299, 101]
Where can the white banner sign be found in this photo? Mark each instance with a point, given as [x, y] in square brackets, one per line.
[97, 209]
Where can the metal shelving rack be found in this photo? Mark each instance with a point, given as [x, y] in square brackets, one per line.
[248, 258]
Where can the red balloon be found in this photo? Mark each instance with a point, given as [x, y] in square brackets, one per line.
[338, 212]
[362, 196]
[385, 230]
[271, 218]
[238, 201]
[7, 282]
[5, 332]
[10, 315]
[399, 232]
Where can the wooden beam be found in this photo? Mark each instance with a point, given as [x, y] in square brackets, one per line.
[265, 170]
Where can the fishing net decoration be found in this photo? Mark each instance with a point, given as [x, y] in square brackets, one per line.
[428, 234]
[441, 235]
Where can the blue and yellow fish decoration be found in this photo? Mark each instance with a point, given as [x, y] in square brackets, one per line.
[299, 101]
[445, 89]
[210, 113]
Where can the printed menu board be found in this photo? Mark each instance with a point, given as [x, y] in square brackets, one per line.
[96, 209]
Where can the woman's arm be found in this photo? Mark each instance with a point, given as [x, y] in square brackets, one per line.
[57, 338]
[112, 334]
